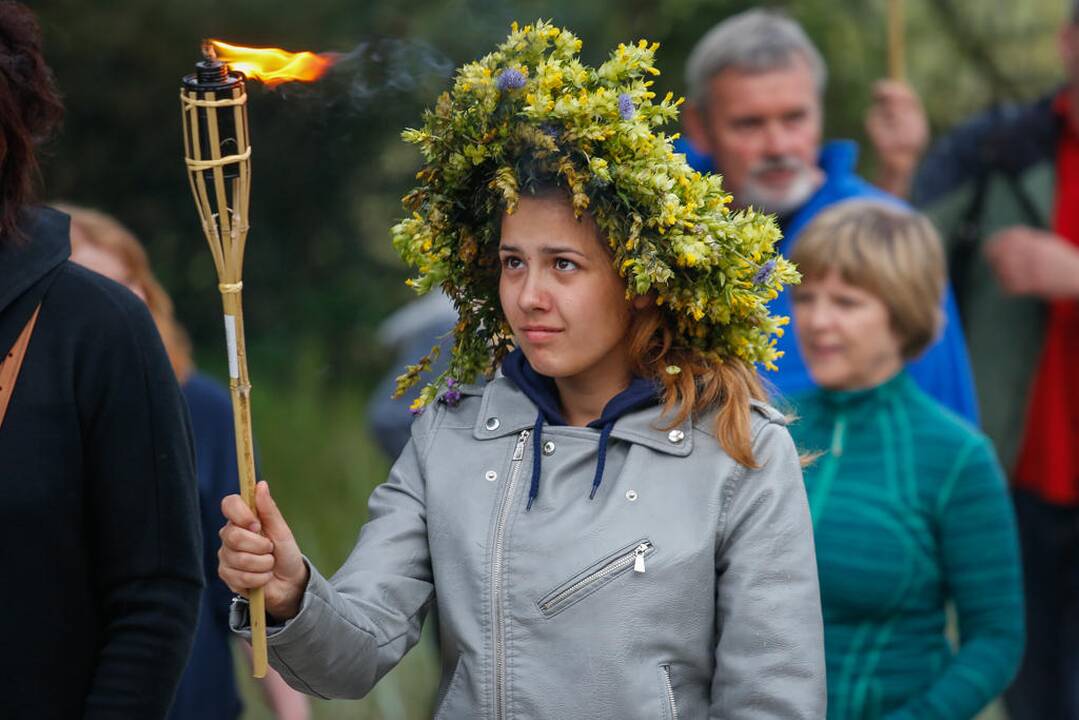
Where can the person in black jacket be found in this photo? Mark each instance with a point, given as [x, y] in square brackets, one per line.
[99, 530]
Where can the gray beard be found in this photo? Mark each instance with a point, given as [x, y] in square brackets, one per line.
[770, 202]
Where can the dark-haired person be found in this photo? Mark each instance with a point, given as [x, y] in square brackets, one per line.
[1004, 188]
[99, 530]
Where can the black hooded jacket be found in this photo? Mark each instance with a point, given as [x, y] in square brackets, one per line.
[99, 534]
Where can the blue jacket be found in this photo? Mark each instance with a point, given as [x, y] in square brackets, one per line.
[208, 689]
[943, 372]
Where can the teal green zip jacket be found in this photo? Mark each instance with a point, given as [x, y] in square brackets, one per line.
[910, 516]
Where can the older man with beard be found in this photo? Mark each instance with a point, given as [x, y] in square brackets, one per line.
[755, 83]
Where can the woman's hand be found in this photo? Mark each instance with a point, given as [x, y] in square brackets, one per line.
[272, 561]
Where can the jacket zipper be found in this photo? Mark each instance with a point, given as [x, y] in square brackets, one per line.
[634, 557]
[496, 572]
[839, 434]
[670, 691]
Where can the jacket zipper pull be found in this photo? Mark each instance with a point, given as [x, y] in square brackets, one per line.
[519, 448]
[638, 557]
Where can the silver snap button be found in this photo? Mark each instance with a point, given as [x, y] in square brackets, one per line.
[631, 495]
[548, 448]
[492, 423]
[491, 476]
[676, 436]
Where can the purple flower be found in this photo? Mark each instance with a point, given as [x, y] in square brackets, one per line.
[549, 130]
[511, 79]
[452, 396]
[625, 106]
[764, 273]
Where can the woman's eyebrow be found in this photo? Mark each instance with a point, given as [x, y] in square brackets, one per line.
[560, 250]
[545, 250]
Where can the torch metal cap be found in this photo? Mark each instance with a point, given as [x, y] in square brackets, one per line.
[212, 75]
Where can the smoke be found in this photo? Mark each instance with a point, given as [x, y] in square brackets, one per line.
[377, 71]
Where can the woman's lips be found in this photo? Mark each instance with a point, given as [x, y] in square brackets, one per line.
[539, 334]
[824, 351]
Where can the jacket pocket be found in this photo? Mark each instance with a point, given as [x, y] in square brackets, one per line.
[596, 576]
[456, 680]
[667, 688]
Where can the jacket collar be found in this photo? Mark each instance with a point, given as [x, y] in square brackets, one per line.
[505, 410]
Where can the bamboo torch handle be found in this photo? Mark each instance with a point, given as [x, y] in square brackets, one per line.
[896, 50]
[240, 389]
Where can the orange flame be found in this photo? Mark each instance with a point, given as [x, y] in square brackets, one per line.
[273, 66]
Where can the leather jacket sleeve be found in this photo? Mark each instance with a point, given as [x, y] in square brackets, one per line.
[770, 645]
[353, 629]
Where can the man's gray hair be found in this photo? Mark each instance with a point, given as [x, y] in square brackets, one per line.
[754, 41]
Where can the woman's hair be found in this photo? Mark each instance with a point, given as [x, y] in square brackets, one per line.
[30, 109]
[890, 251]
[106, 233]
[694, 385]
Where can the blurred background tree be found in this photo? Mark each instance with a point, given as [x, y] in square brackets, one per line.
[329, 165]
[329, 171]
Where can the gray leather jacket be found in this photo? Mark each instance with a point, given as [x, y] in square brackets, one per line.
[687, 588]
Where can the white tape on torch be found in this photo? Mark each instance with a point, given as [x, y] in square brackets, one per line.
[230, 338]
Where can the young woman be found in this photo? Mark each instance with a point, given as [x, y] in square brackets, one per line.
[908, 501]
[615, 526]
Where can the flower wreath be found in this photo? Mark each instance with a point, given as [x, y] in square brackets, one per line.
[532, 109]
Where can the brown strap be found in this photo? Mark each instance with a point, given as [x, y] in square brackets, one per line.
[9, 366]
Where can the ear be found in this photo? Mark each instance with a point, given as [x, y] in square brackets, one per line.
[641, 302]
[694, 123]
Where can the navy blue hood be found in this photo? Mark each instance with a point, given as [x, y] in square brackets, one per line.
[543, 392]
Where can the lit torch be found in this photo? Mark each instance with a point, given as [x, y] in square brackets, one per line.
[217, 148]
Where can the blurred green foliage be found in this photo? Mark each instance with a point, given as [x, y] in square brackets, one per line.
[329, 170]
[329, 167]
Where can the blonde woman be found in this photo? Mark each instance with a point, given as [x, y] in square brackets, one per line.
[909, 505]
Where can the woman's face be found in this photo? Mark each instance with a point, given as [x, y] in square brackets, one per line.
[845, 334]
[101, 261]
[561, 295]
